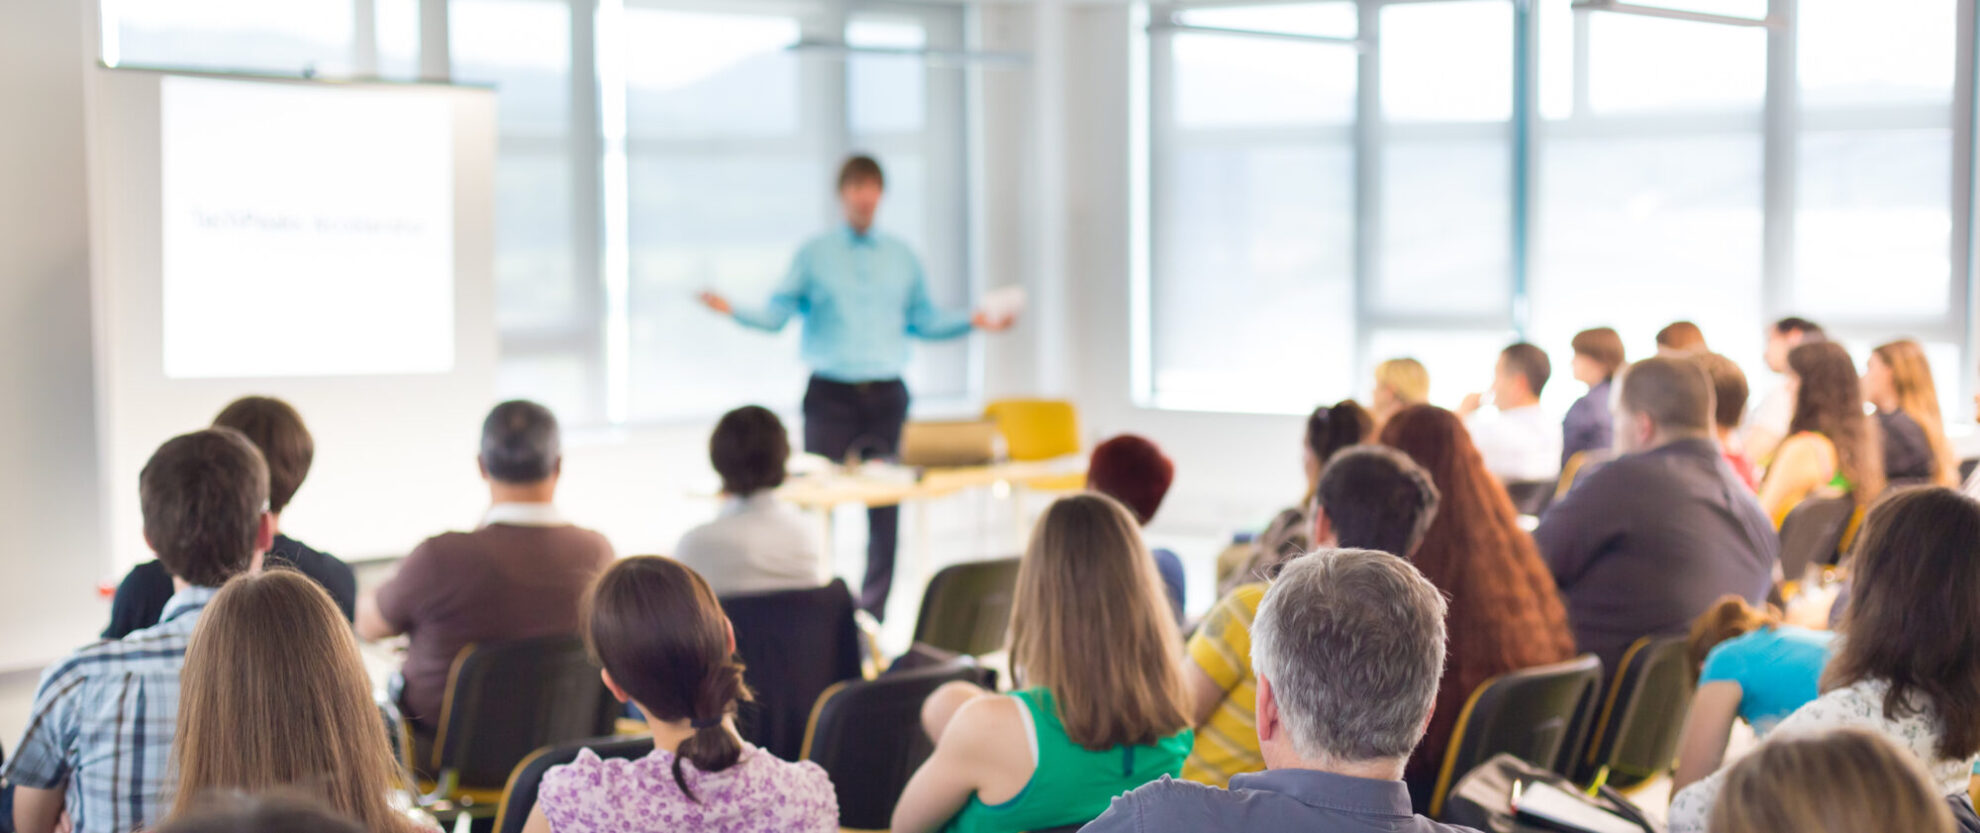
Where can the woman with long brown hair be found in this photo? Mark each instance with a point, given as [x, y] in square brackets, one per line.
[1898, 381]
[1907, 665]
[1100, 707]
[1832, 448]
[274, 697]
[1506, 613]
[667, 647]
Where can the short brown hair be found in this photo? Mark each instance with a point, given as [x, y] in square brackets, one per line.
[1091, 624]
[1842, 781]
[750, 450]
[1683, 336]
[861, 168]
[1675, 393]
[1530, 362]
[275, 428]
[202, 495]
[1604, 346]
[1728, 388]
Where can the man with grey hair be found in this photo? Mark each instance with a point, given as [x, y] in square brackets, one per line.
[1348, 647]
[520, 575]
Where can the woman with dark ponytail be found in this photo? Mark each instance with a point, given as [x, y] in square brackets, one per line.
[1329, 429]
[667, 647]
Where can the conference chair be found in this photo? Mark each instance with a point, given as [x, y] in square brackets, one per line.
[1533, 714]
[1966, 468]
[519, 797]
[1531, 497]
[503, 701]
[967, 607]
[867, 735]
[794, 644]
[1036, 430]
[1813, 533]
[1636, 734]
[1579, 464]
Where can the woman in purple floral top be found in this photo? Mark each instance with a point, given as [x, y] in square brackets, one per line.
[667, 647]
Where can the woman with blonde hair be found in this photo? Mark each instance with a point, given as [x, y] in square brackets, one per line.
[1399, 383]
[274, 698]
[1100, 707]
[1898, 381]
[1845, 781]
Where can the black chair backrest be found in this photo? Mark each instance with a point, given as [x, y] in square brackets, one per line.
[508, 699]
[1813, 533]
[967, 607]
[1966, 468]
[1532, 714]
[519, 797]
[1636, 734]
[1531, 497]
[867, 735]
[794, 644]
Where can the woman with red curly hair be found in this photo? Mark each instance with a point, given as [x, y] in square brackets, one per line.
[1505, 612]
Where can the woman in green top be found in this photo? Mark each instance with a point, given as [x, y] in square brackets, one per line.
[1832, 447]
[1101, 706]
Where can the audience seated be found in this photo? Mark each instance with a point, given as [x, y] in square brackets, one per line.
[1767, 425]
[1844, 781]
[1519, 442]
[1728, 408]
[1329, 429]
[1399, 383]
[519, 576]
[1832, 448]
[277, 430]
[666, 646]
[1349, 645]
[274, 697]
[1681, 338]
[1898, 382]
[1598, 354]
[1369, 497]
[1907, 665]
[1647, 543]
[759, 544]
[97, 752]
[1134, 471]
[239, 814]
[1101, 707]
[1505, 614]
[1748, 666]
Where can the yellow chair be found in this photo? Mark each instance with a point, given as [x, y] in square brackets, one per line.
[1039, 429]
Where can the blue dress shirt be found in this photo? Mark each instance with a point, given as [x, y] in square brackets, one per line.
[862, 296]
[1276, 801]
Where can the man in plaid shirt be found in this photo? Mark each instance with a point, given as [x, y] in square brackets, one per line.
[99, 743]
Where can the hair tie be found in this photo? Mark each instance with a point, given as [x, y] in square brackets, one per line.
[701, 723]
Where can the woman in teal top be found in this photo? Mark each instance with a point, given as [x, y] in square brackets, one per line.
[1102, 708]
[1750, 667]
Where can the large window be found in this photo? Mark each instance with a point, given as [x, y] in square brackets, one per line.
[1446, 175]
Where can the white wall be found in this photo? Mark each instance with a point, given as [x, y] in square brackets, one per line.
[53, 540]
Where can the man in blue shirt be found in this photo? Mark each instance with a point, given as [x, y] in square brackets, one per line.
[863, 296]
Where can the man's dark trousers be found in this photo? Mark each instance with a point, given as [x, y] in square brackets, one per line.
[862, 420]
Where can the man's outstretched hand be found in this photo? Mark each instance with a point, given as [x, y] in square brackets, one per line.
[984, 322]
[716, 303]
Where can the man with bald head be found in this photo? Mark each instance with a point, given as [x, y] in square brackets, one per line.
[1645, 544]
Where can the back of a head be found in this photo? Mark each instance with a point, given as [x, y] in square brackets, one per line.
[520, 443]
[1808, 330]
[750, 450]
[202, 496]
[278, 431]
[1331, 428]
[1675, 394]
[1918, 397]
[1407, 378]
[1376, 498]
[1910, 619]
[1090, 623]
[1829, 401]
[1729, 390]
[658, 629]
[1134, 471]
[232, 813]
[1602, 345]
[1682, 337]
[1729, 617]
[1352, 643]
[1475, 517]
[1842, 781]
[274, 696]
[1529, 362]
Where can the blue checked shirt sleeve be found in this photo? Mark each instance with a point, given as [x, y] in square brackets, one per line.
[925, 320]
[39, 761]
[786, 301]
